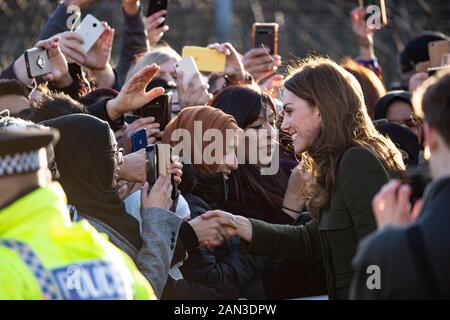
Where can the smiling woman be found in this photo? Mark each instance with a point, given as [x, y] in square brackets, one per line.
[345, 161]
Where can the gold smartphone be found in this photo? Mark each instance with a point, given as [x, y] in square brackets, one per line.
[437, 51]
[207, 60]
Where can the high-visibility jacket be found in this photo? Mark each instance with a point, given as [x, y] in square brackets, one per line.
[43, 255]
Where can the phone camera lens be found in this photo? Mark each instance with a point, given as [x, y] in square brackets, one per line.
[95, 25]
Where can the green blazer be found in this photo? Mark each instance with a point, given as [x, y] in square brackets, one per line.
[336, 235]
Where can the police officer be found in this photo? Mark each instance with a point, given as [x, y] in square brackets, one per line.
[43, 255]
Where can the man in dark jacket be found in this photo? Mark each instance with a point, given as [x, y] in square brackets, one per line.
[409, 259]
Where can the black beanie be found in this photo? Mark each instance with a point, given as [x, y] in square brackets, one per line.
[416, 50]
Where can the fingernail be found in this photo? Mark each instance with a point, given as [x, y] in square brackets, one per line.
[161, 20]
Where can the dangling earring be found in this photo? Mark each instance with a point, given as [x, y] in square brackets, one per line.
[426, 152]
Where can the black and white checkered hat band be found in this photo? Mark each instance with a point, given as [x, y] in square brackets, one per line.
[22, 162]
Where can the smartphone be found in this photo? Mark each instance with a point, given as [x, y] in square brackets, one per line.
[437, 51]
[139, 139]
[159, 156]
[159, 108]
[90, 29]
[37, 62]
[380, 4]
[207, 60]
[266, 35]
[155, 6]
[188, 67]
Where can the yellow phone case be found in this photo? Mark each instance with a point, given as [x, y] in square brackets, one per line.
[207, 60]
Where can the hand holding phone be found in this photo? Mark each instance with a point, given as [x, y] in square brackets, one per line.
[206, 59]
[234, 68]
[157, 195]
[159, 157]
[188, 68]
[265, 35]
[90, 29]
[155, 6]
[37, 62]
[159, 108]
[155, 27]
[260, 64]
[192, 91]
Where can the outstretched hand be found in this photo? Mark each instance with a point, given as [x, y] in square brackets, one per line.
[133, 95]
[212, 229]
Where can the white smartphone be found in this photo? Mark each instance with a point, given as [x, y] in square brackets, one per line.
[90, 29]
[188, 67]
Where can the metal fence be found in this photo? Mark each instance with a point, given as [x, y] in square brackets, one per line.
[321, 26]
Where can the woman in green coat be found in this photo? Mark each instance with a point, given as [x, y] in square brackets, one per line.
[344, 163]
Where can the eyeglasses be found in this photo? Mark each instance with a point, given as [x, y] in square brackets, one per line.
[412, 122]
[118, 154]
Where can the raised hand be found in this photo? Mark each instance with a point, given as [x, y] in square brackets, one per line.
[154, 32]
[363, 34]
[97, 58]
[234, 67]
[59, 76]
[260, 64]
[133, 95]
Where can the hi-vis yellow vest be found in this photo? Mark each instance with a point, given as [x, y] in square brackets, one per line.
[43, 255]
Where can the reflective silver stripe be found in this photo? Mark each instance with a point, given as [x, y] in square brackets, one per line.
[48, 287]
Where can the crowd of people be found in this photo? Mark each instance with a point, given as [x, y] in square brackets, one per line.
[355, 208]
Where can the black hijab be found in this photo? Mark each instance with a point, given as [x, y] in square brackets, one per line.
[402, 137]
[85, 161]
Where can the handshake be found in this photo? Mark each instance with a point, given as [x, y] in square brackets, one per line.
[214, 227]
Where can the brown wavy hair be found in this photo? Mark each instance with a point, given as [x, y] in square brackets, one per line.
[372, 86]
[345, 124]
